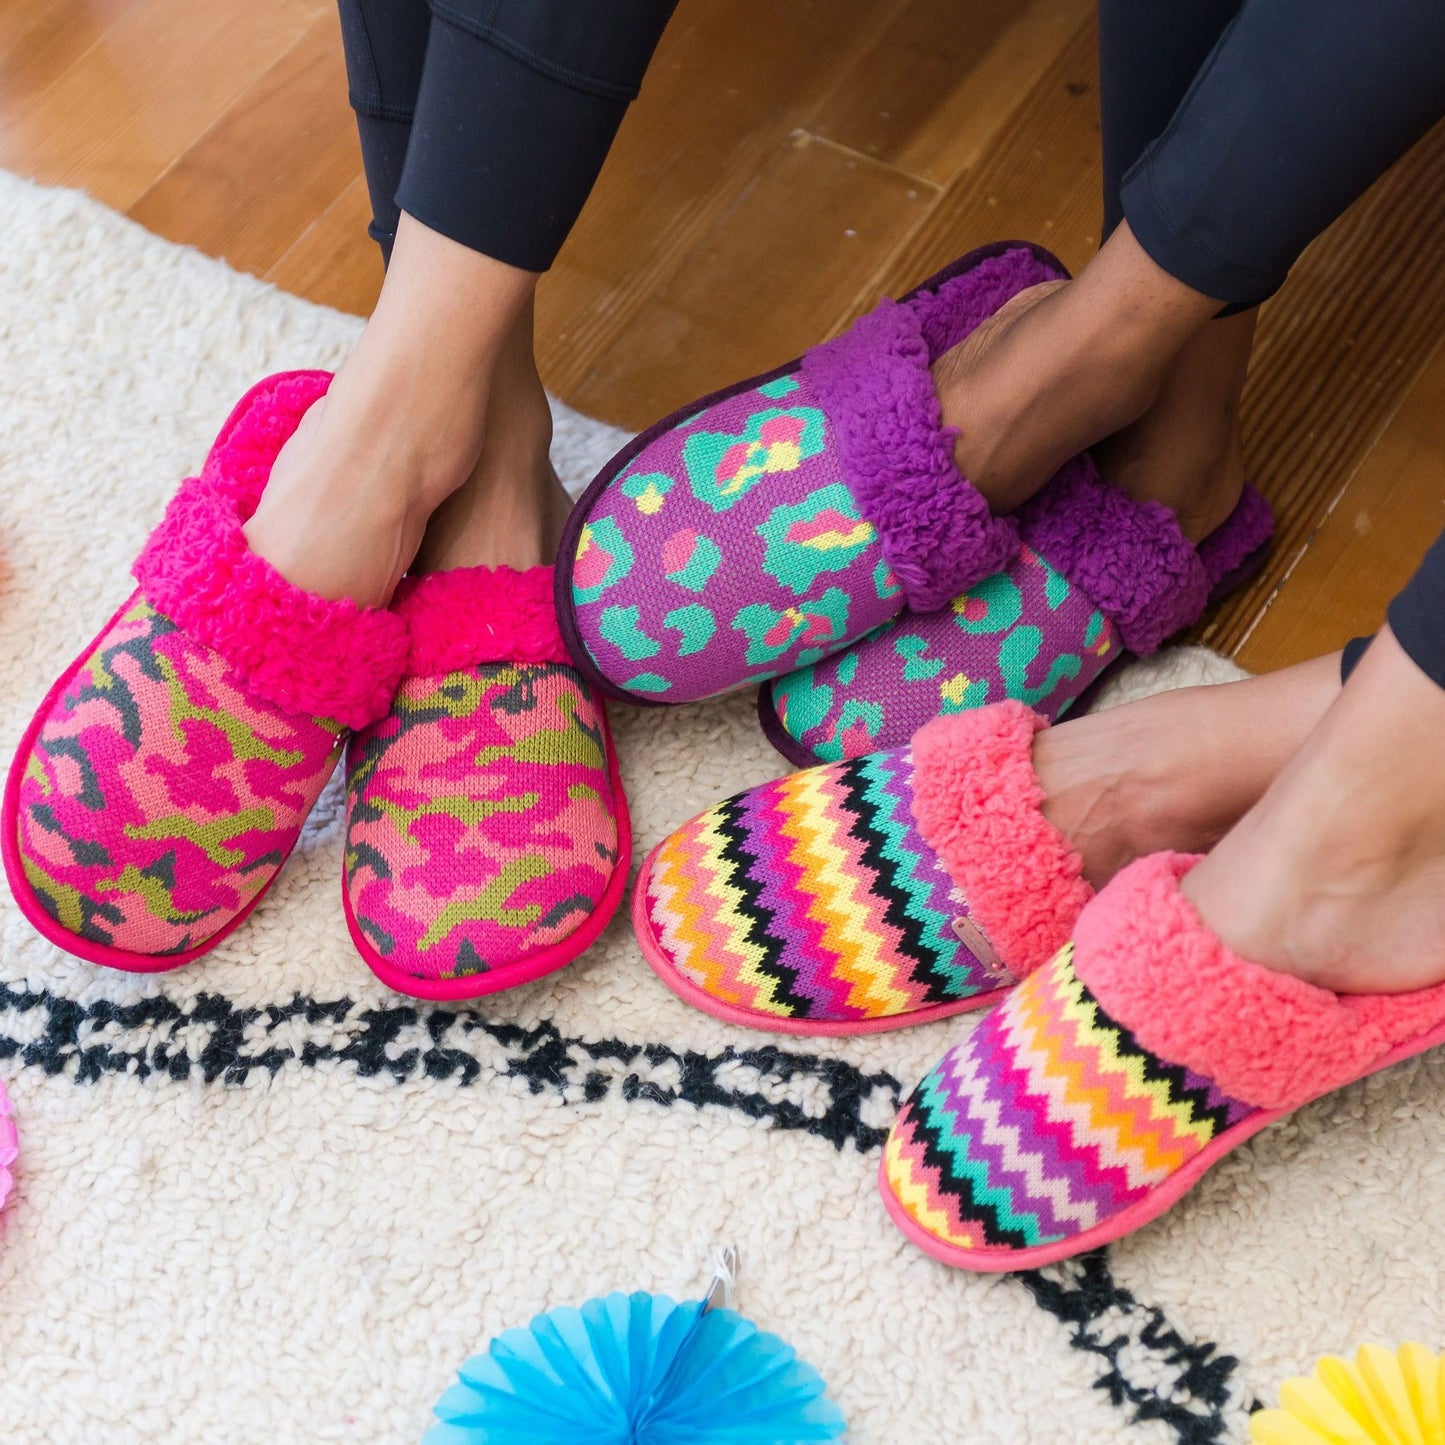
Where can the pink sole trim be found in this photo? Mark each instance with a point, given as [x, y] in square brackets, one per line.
[1160, 1201]
[535, 965]
[83, 948]
[729, 1013]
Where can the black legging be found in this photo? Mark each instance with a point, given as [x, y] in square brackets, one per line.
[489, 120]
[1235, 131]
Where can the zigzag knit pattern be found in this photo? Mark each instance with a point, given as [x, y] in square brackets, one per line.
[816, 898]
[1046, 1122]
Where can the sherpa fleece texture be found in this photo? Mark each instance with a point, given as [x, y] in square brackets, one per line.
[1247, 528]
[1266, 1038]
[874, 384]
[977, 800]
[471, 615]
[301, 652]
[1129, 557]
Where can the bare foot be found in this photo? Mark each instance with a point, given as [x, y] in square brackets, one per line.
[1187, 450]
[402, 426]
[1062, 366]
[344, 513]
[1177, 770]
[1338, 874]
[512, 508]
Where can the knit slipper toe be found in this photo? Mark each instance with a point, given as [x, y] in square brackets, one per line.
[165, 778]
[767, 525]
[1111, 1080]
[886, 891]
[1099, 578]
[487, 833]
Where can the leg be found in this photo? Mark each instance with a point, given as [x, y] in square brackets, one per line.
[1297, 109]
[385, 45]
[516, 106]
[1338, 874]
[402, 426]
[1149, 55]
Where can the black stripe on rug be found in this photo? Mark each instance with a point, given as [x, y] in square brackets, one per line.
[1153, 1373]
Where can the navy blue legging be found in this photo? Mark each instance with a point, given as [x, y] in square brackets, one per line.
[1235, 131]
[489, 120]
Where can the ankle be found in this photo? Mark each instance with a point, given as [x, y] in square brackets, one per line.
[1129, 782]
[1199, 477]
[512, 508]
[1045, 378]
[384, 425]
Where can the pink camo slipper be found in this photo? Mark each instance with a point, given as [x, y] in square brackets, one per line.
[1112, 1079]
[763, 527]
[487, 833]
[1100, 578]
[166, 776]
[891, 890]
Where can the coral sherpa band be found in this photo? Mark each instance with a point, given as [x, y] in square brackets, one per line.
[326, 659]
[1263, 1037]
[875, 386]
[473, 615]
[977, 800]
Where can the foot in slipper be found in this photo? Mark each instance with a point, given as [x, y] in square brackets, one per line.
[487, 837]
[166, 776]
[1100, 578]
[771, 524]
[1109, 1081]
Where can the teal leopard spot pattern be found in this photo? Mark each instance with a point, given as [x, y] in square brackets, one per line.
[981, 649]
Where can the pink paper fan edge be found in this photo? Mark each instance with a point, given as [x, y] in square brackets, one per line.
[9, 1145]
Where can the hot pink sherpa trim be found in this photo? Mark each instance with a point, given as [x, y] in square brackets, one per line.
[479, 614]
[977, 799]
[299, 651]
[1265, 1038]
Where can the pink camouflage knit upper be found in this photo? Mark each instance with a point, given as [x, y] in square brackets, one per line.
[482, 822]
[167, 780]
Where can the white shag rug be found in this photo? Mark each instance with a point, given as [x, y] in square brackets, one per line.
[264, 1199]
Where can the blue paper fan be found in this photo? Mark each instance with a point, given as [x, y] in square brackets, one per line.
[636, 1369]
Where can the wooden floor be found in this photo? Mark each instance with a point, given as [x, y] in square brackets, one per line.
[788, 162]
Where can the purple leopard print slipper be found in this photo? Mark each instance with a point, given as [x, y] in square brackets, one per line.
[1099, 578]
[764, 527]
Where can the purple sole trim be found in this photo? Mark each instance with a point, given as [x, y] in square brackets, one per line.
[790, 748]
[567, 547]
[781, 739]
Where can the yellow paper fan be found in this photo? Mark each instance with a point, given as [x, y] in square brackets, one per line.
[1383, 1398]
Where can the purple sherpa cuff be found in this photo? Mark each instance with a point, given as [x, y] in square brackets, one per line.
[875, 386]
[1129, 557]
[1226, 550]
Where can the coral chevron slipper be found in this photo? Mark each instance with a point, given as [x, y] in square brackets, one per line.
[165, 778]
[1110, 1080]
[886, 891]
[1099, 578]
[487, 833]
[774, 522]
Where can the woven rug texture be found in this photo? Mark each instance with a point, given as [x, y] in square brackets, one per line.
[262, 1198]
